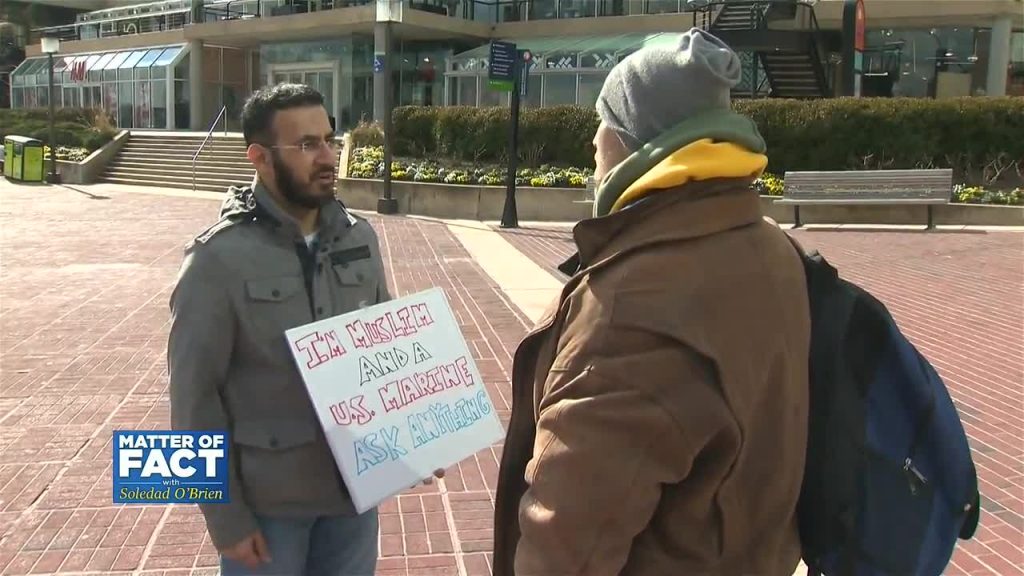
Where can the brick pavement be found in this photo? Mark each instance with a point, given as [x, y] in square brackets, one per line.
[84, 287]
[960, 298]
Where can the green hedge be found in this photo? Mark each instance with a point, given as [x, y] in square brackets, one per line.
[980, 138]
[74, 127]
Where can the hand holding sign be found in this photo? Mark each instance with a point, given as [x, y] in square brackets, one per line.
[397, 393]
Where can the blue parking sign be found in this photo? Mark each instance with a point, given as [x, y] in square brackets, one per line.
[170, 467]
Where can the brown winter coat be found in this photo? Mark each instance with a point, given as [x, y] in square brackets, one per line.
[660, 409]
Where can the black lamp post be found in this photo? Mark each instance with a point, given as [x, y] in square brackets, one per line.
[50, 47]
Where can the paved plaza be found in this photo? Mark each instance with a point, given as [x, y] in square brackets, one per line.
[85, 278]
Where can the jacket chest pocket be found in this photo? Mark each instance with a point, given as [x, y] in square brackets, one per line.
[277, 304]
[355, 286]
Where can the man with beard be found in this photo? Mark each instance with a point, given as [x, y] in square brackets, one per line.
[285, 253]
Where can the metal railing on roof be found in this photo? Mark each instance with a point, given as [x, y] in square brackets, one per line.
[176, 14]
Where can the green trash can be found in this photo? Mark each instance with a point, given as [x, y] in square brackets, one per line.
[23, 159]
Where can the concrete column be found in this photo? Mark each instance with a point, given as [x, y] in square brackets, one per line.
[382, 46]
[197, 118]
[999, 56]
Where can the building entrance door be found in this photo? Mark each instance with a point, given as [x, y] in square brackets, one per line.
[322, 79]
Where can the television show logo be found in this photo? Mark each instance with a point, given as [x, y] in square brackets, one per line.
[170, 467]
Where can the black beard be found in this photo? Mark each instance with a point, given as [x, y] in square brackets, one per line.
[295, 192]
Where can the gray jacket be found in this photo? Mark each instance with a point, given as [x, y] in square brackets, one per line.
[242, 284]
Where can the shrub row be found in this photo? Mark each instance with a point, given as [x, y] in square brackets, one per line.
[74, 127]
[368, 162]
[980, 138]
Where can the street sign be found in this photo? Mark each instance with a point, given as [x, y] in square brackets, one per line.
[524, 72]
[378, 63]
[502, 68]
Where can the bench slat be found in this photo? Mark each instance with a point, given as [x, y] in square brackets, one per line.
[870, 186]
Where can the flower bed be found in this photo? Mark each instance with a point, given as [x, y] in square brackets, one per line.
[368, 163]
[68, 153]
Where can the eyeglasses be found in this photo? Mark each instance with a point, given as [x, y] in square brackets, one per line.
[312, 147]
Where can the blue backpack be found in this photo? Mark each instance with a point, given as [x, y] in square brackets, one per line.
[889, 484]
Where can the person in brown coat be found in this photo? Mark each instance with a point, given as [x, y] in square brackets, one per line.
[659, 413]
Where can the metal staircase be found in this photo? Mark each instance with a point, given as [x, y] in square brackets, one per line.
[793, 60]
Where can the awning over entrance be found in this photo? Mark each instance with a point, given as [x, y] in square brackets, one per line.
[563, 53]
[91, 66]
[136, 88]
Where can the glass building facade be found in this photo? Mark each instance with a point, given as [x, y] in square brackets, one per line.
[562, 71]
[342, 70]
[937, 62]
[135, 87]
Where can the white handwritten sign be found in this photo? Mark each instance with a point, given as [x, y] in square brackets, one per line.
[397, 393]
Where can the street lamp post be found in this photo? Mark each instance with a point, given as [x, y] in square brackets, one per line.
[50, 47]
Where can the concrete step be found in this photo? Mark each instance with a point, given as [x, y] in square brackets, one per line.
[186, 158]
[183, 180]
[186, 139]
[187, 145]
[164, 154]
[201, 172]
[171, 184]
[183, 149]
[186, 164]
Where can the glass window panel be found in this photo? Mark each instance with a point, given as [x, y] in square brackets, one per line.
[590, 88]
[116, 60]
[326, 88]
[467, 90]
[124, 104]
[143, 106]
[91, 61]
[159, 98]
[17, 97]
[42, 96]
[32, 66]
[133, 59]
[142, 73]
[559, 89]
[168, 56]
[102, 62]
[489, 97]
[532, 98]
[148, 58]
[124, 74]
[110, 100]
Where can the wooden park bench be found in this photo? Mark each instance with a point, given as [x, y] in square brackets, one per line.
[879, 187]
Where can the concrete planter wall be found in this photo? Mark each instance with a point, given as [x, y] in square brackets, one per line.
[458, 202]
[89, 170]
[563, 205]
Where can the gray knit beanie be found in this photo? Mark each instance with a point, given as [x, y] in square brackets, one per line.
[656, 88]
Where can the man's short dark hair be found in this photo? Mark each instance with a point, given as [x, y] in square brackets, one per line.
[258, 112]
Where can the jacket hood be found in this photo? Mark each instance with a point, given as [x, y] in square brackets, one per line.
[238, 200]
[719, 144]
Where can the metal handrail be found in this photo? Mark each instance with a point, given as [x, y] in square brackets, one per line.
[209, 134]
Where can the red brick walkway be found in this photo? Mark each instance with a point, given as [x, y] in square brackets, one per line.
[84, 287]
[960, 299]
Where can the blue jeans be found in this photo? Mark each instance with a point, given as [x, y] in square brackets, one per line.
[321, 546]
